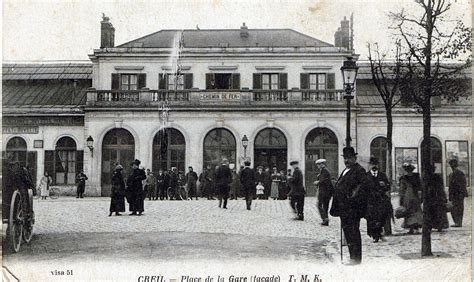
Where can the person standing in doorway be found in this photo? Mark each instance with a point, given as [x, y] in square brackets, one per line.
[325, 190]
[297, 191]
[81, 183]
[150, 184]
[267, 182]
[191, 180]
[350, 202]
[160, 190]
[260, 179]
[223, 180]
[247, 182]
[45, 182]
[282, 186]
[174, 183]
[117, 201]
[234, 186]
[457, 192]
[135, 189]
[276, 179]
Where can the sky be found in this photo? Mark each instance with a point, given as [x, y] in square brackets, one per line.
[70, 30]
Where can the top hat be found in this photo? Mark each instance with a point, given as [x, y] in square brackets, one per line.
[453, 162]
[247, 163]
[408, 167]
[293, 162]
[373, 161]
[348, 152]
[136, 162]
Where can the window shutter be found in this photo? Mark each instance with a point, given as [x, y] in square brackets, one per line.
[331, 81]
[115, 81]
[79, 160]
[304, 79]
[188, 80]
[257, 81]
[49, 164]
[209, 78]
[31, 162]
[141, 80]
[236, 81]
[162, 81]
[283, 81]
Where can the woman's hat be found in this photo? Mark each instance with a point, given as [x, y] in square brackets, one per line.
[453, 162]
[408, 167]
[348, 152]
[294, 162]
[119, 167]
[320, 161]
[136, 162]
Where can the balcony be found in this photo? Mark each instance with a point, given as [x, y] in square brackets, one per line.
[196, 97]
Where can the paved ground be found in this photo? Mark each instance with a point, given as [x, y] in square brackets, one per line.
[188, 235]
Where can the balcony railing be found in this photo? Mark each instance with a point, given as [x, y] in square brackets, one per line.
[197, 97]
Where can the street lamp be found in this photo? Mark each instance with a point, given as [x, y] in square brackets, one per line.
[90, 144]
[245, 143]
[349, 74]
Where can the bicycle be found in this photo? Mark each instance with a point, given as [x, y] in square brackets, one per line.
[180, 194]
[53, 193]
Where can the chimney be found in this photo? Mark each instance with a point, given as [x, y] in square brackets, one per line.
[342, 37]
[107, 33]
[244, 31]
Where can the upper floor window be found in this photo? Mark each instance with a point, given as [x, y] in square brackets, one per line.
[128, 81]
[222, 81]
[270, 81]
[175, 82]
[317, 81]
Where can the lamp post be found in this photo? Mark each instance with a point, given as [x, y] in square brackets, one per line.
[349, 74]
[90, 144]
[245, 143]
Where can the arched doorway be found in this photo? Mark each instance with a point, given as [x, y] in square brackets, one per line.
[64, 162]
[169, 150]
[378, 149]
[17, 151]
[436, 155]
[118, 146]
[320, 143]
[219, 143]
[270, 149]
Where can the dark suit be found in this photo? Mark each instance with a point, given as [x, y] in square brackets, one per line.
[379, 207]
[457, 193]
[191, 179]
[350, 204]
[248, 181]
[297, 192]
[223, 180]
[325, 192]
[135, 190]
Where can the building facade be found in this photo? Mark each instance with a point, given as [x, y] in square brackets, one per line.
[278, 88]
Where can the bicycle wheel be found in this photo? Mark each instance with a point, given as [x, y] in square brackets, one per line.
[169, 193]
[15, 223]
[54, 193]
[183, 194]
[29, 219]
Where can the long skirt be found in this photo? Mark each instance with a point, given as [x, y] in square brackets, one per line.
[274, 190]
[117, 203]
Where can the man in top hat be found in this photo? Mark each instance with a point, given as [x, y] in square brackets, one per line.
[223, 180]
[379, 207]
[135, 189]
[325, 190]
[248, 181]
[457, 192]
[297, 191]
[350, 202]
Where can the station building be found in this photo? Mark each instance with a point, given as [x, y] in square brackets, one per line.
[280, 89]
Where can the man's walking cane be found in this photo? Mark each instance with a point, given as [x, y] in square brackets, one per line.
[341, 239]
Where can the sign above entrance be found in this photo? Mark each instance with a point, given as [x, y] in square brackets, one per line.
[220, 96]
[20, 130]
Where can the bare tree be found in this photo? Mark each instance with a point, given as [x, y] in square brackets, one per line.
[427, 39]
[386, 76]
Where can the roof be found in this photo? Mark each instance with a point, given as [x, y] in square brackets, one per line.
[46, 93]
[33, 71]
[205, 38]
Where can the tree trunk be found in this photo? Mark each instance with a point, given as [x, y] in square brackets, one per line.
[426, 174]
[389, 164]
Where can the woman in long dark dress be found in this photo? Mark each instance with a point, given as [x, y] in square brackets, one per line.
[410, 190]
[117, 202]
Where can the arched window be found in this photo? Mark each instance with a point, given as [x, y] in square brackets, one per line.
[320, 143]
[169, 150]
[219, 143]
[118, 147]
[16, 150]
[65, 162]
[270, 149]
[436, 154]
[378, 149]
